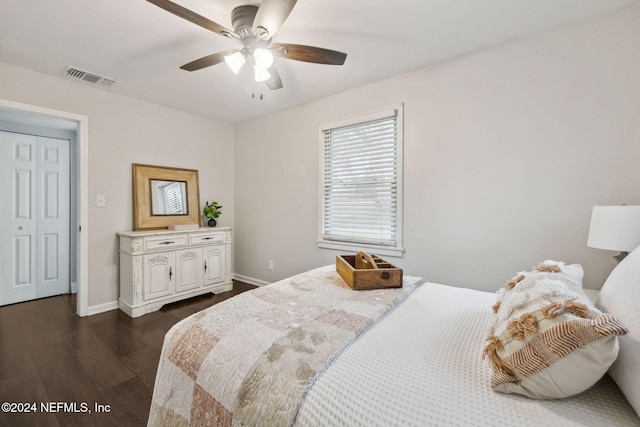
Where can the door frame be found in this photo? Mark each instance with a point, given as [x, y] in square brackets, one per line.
[82, 163]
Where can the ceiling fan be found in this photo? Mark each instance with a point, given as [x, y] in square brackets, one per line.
[254, 27]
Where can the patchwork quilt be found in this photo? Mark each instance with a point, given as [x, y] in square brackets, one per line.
[250, 360]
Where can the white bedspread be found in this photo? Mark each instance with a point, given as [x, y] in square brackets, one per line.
[422, 366]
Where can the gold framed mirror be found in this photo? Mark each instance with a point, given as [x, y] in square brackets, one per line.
[164, 196]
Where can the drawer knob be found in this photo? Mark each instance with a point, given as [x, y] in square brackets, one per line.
[168, 242]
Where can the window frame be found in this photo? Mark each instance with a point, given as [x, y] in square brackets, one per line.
[354, 246]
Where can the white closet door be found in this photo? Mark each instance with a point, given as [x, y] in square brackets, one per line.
[52, 217]
[34, 217]
[17, 217]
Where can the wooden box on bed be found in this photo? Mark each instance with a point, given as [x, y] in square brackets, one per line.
[364, 271]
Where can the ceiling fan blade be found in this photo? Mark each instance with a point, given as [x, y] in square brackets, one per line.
[270, 17]
[208, 61]
[191, 16]
[274, 82]
[317, 55]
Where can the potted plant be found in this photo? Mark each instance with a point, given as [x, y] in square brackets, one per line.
[211, 210]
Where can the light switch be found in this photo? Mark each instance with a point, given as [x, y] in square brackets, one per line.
[101, 201]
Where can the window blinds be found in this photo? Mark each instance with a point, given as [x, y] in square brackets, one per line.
[360, 182]
[171, 198]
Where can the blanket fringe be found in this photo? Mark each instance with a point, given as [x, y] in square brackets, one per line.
[527, 323]
[548, 268]
[491, 352]
[513, 282]
[569, 306]
[495, 307]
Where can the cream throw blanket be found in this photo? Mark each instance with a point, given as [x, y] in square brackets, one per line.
[249, 361]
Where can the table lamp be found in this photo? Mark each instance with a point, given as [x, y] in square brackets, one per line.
[615, 228]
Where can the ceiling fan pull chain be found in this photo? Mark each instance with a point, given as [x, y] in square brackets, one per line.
[260, 95]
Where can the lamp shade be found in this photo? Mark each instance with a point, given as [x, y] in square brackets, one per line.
[235, 61]
[615, 228]
[261, 74]
[263, 58]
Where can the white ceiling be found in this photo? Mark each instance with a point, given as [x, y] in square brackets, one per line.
[142, 46]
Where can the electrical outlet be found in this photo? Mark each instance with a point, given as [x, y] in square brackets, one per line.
[270, 264]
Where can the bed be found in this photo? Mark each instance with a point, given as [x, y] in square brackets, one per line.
[308, 351]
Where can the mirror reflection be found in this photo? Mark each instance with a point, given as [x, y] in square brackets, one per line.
[168, 197]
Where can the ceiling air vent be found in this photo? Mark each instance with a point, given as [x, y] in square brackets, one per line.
[88, 77]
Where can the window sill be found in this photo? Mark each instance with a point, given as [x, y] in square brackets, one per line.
[396, 252]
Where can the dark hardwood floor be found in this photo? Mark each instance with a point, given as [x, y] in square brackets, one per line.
[51, 357]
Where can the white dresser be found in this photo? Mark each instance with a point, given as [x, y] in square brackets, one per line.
[160, 266]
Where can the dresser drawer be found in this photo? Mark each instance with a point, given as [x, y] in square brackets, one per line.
[208, 238]
[176, 241]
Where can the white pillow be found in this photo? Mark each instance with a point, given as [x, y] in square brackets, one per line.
[548, 340]
[620, 296]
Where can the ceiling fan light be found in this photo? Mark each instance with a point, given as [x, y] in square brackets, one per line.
[235, 61]
[263, 58]
[261, 74]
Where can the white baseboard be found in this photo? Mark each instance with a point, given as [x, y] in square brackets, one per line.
[249, 280]
[74, 287]
[101, 308]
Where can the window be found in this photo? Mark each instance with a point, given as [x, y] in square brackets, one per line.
[361, 184]
[171, 198]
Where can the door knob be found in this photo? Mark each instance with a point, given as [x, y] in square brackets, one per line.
[20, 228]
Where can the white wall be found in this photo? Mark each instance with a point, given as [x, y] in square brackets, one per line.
[506, 151]
[123, 131]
